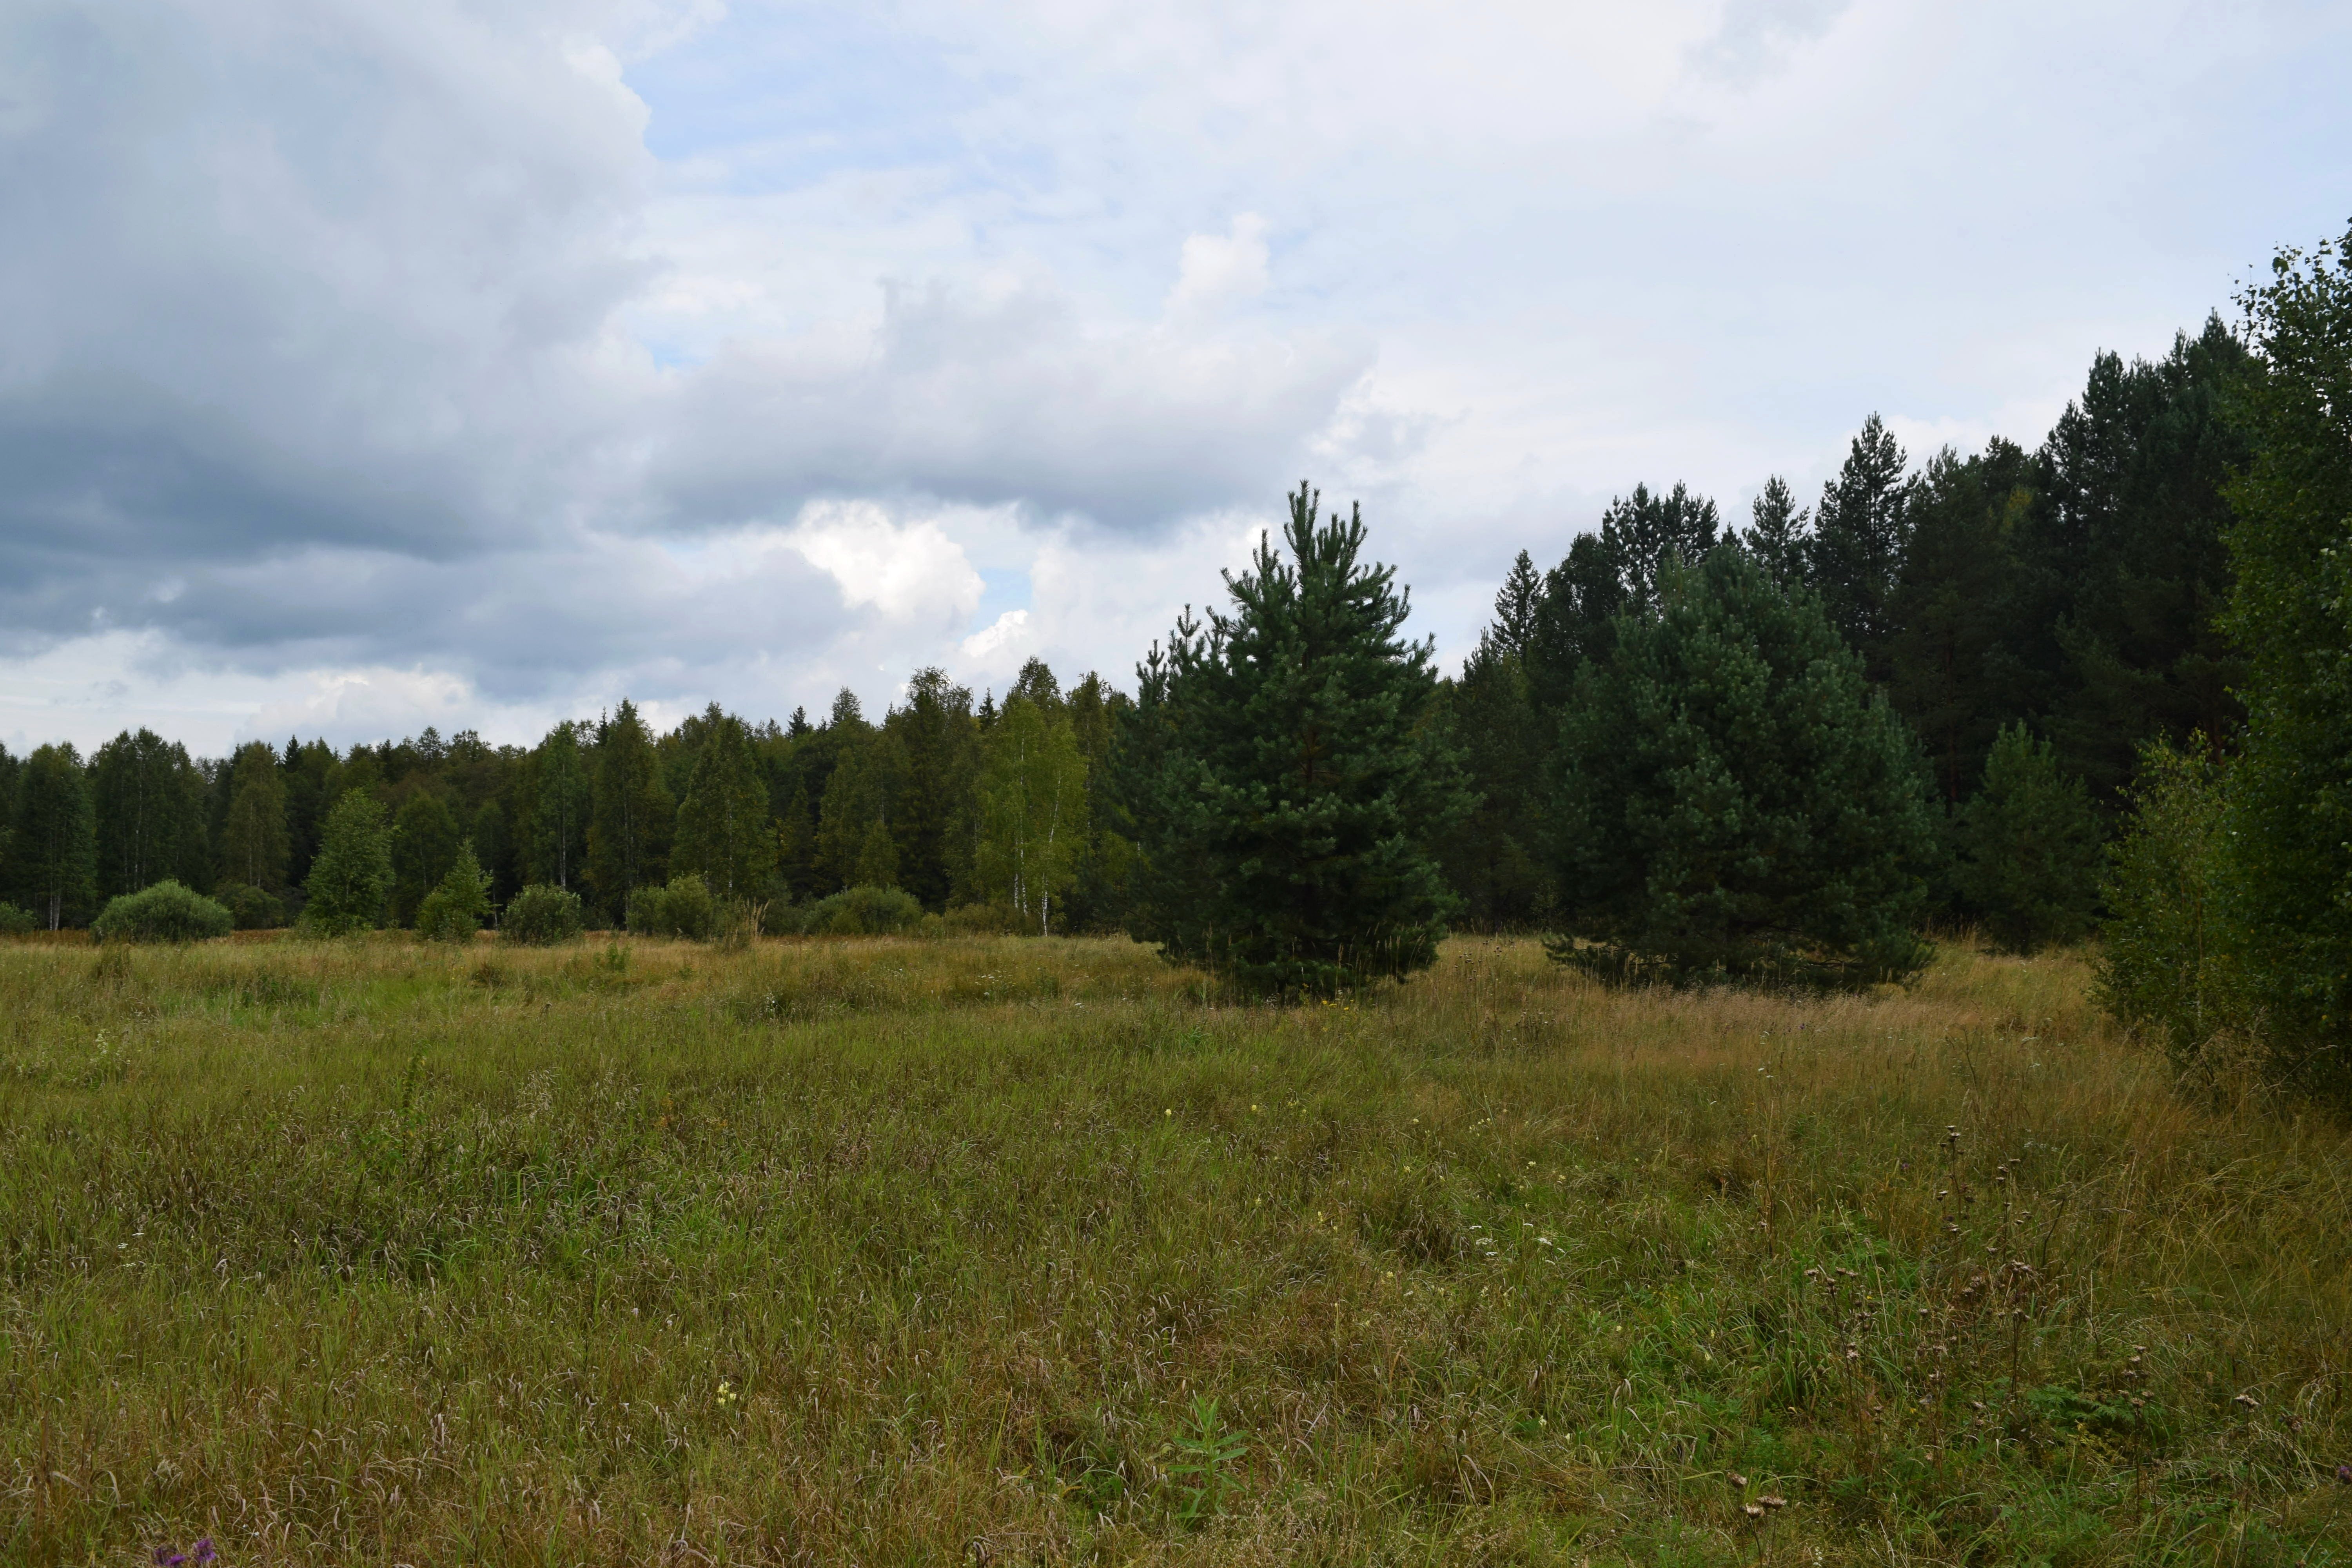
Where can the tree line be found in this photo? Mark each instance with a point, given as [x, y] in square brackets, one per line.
[2102, 681]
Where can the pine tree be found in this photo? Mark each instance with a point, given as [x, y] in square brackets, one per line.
[724, 833]
[1641, 533]
[2290, 827]
[1855, 554]
[351, 877]
[255, 842]
[1733, 799]
[453, 910]
[1301, 787]
[631, 812]
[52, 839]
[1574, 622]
[1779, 532]
[2028, 848]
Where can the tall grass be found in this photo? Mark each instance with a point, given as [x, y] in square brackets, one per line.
[1002, 1251]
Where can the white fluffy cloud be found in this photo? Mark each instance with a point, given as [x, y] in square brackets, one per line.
[366, 364]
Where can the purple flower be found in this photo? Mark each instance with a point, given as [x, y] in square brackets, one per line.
[204, 1552]
[2344, 1474]
[167, 1558]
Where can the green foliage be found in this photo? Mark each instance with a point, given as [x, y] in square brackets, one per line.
[2164, 964]
[632, 814]
[255, 841]
[684, 907]
[166, 911]
[1288, 783]
[1854, 555]
[14, 921]
[1494, 856]
[251, 908]
[863, 912]
[148, 801]
[541, 914]
[52, 851]
[561, 805]
[1207, 1460]
[1734, 801]
[2290, 792]
[724, 832]
[1032, 808]
[425, 840]
[453, 910]
[2028, 848]
[351, 877]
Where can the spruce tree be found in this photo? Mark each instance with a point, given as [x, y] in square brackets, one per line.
[631, 813]
[1301, 788]
[351, 877]
[559, 807]
[2028, 848]
[1733, 800]
[724, 832]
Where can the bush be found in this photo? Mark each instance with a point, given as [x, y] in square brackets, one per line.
[164, 912]
[14, 921]
[252, 908]
[453, 910]
[2028, 848]
[980, 919]
[541, 914]
[1735, 801]
[683, 909]
[2164, 969]
[863, 912]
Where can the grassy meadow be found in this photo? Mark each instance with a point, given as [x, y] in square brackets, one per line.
[1006, 1251]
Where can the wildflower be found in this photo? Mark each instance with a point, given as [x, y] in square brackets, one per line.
[1753, 1510]
[167, 1558]
[204, 1553]
[2344, 1474]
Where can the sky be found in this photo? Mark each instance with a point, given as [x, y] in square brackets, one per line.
[367, 364]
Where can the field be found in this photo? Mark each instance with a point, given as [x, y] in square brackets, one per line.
[1010, 1252]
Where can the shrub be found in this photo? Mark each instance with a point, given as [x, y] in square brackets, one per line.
[685, 908]
[1734, 800]
[541, 914]
[454, 909]
[164, 912]
[252, 908]
[863, 912]
[2028, 848]
[980, 919]
[14, 921]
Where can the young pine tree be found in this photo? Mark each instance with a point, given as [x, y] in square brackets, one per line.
[454, 909]
[1733, 800]
[1299, 789]
[2028, 848]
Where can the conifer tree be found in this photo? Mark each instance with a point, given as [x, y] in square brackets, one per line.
[52, 839]
[1855, 554]
[2028, 848]
[1641, 533]
[631, 812]
[1515, 609]
[454, 909]
[724, 833]
[1301, 788]
[1734, 800]
[351, 877]
[1778, 532]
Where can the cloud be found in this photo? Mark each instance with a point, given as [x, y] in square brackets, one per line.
[1220, 270]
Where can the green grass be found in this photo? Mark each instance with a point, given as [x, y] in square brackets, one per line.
[1012, 1251]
